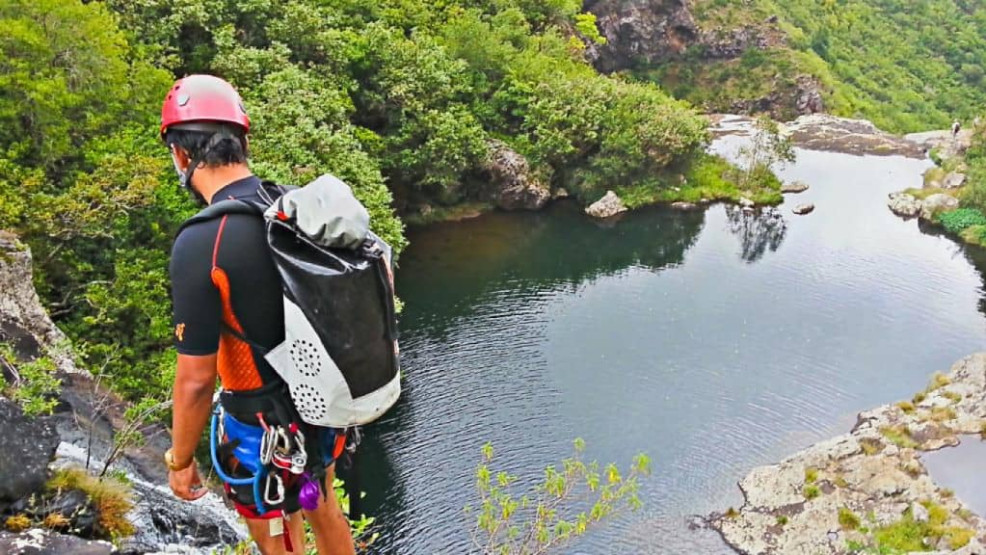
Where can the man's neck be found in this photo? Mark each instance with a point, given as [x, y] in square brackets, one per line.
[208, 181]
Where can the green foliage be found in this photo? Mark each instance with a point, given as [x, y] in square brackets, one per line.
[811, 492]
[899, 436]
[36, 386]
[848, 520]
[908, 535]
[905, 66]
[766, 150]
[564, 505]
[959, 220]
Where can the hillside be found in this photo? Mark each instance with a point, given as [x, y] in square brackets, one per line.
[906, 66]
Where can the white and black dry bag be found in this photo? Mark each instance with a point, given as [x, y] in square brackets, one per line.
[339, 355]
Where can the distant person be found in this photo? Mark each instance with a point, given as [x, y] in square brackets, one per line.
[956, 127]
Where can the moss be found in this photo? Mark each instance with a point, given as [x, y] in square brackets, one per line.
[110, 497]
[958, 537]
[782, 520]
[17, 523]
[906, 406]
[811, 492]
[848, 520]
[899, 436]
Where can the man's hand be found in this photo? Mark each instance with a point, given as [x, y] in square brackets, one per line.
[187, 484]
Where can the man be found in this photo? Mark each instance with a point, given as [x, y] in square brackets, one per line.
[227, 308]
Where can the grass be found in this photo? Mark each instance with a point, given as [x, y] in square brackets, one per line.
[840, 482]
[811, 492]
[732, 513]
[709, 178]
[907, 535]
[906, 406]
[952, 396]
[899, 436]
[938, 381]
[947, 493]
[919, 397]
[811, 475]
[913, 469]
[922, 194]
[848, 520]
[782, 520]
[942, 414]
[110, 497]
[870, 446]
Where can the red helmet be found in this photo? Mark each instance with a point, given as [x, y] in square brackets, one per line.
[203, 98]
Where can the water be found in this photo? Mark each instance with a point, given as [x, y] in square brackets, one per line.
[713, 341]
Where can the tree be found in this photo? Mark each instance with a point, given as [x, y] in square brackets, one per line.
[766, 149]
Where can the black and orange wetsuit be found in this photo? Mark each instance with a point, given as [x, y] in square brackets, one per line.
[223, 278]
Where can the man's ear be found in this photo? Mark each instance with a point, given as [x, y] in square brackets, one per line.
[181, 157]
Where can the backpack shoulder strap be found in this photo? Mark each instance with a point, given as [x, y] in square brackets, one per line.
[222, 208]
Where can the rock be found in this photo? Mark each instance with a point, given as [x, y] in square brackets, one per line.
[163, 520]
[794, 188]
[640, 32]
[45, 542]
[513, 185]
[851, 136]
[953, 180]
[936, 204]
[904, 205]
[606, 207]
[746, 203]
[685, 206]
[560, 193]
[425, 210]
[942, 142]
[28, 445]
[919, 512]
[864, 472]
[804, 209]
[24, 323]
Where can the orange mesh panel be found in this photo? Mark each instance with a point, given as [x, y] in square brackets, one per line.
[237, 369]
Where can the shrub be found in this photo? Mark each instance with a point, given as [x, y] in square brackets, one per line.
[848, 519]
[958, 220]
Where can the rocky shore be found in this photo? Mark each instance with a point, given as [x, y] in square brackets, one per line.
[868, 491]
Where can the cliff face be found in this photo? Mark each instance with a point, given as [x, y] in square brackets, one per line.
[641, 32]
[643, 35]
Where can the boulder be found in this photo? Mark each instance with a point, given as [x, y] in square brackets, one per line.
[46, 542]
[746, 203]
[27, 445]
[685, 206]
[794, 188]
[904, 205]
[513, 185]
[608, 206]
[919, 512]
[936, 204]
[953, 180]
[804, 209]
[560, 193]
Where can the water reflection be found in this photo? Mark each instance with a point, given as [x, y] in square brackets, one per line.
[758, 230]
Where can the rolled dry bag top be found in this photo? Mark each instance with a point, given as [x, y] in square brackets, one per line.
[339, 353]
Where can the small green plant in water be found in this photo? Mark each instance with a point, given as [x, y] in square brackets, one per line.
[566, 503]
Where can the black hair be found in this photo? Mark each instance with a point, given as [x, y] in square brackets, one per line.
[223, 147]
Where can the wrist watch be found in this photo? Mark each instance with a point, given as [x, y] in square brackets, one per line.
[169, 461]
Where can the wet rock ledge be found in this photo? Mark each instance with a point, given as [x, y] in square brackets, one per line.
[865, 490]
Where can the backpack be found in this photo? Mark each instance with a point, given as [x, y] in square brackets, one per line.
[339, 354]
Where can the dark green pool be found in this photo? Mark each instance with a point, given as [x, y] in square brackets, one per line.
[713, 341]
